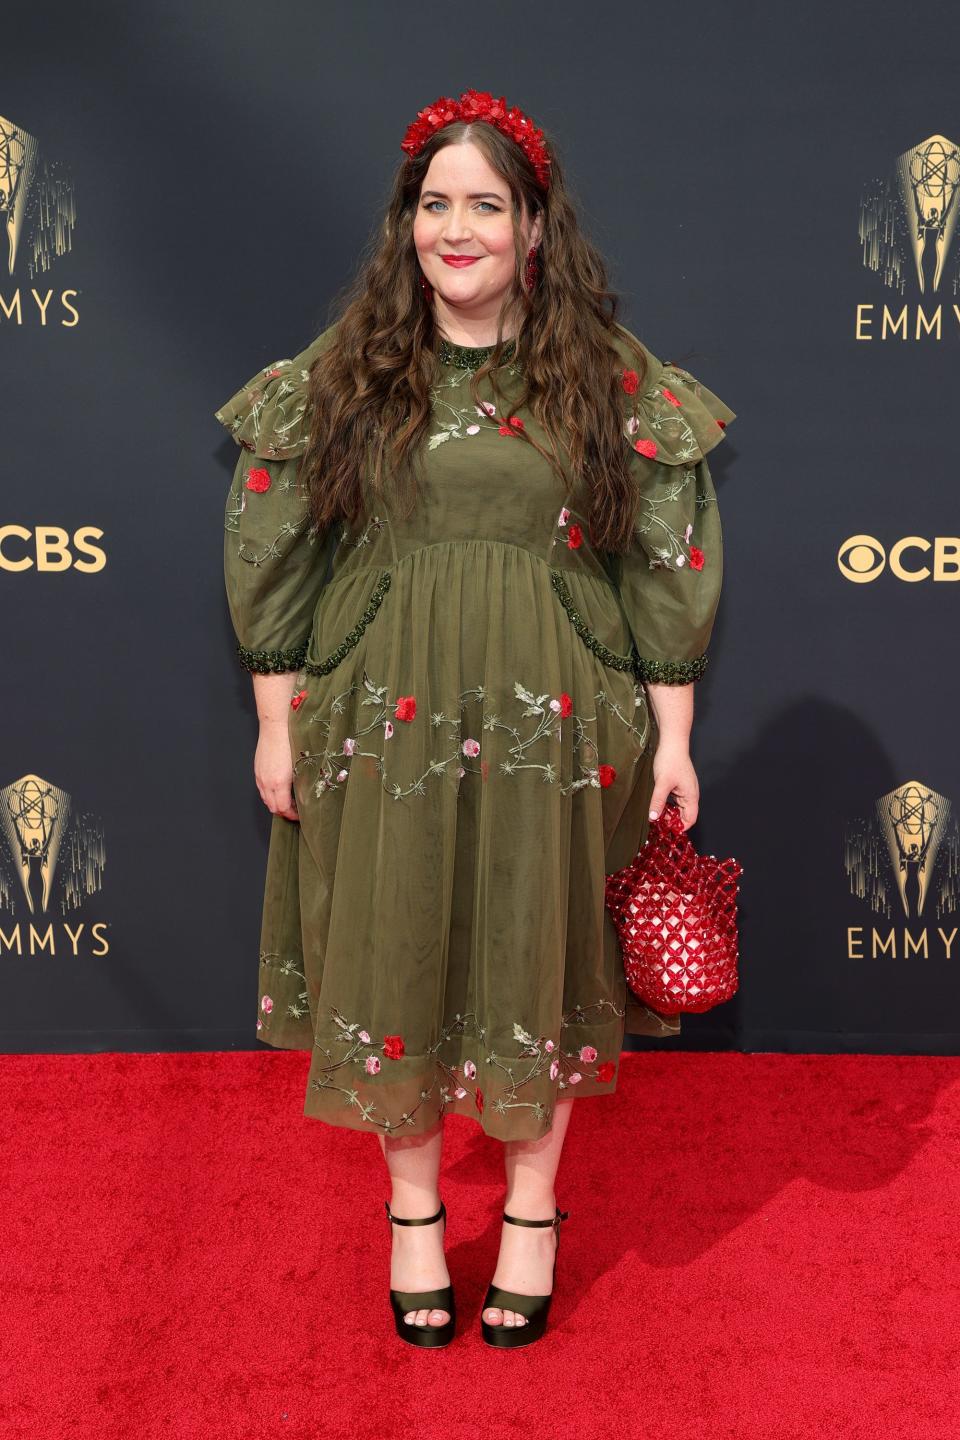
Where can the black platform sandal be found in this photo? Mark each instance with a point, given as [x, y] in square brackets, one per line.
[535, 1307]
[430, 1336]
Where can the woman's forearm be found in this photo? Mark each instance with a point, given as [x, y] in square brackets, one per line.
[673, 712]
[273, 694]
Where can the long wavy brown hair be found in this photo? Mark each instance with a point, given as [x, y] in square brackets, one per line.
[368, 395]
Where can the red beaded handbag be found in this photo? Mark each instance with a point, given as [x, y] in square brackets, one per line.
[676, 915]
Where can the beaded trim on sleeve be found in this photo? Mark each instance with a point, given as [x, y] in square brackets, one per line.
[349, 641]
[602, 652]
[267, 662]
[672, 672]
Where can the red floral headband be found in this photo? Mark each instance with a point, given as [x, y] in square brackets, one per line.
[480, 105]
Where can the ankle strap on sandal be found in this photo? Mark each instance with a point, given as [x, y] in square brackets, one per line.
[428, 1220]
[560, 1215]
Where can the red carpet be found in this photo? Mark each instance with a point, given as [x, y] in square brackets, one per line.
[758, 1246]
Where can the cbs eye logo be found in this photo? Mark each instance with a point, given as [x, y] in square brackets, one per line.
[862, 558]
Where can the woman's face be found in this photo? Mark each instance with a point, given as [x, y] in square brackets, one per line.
[464, 209]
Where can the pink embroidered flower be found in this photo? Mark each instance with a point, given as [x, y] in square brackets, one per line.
[342, 774]
[259, 1024]
[630, 381]
[266, 1004]
[697, 558]
[470, 747]
[372, 1064]
[460, 772]
[606, 775]
[365, 1037]
[555, 706]
[576, 537]
[387, 729]
[469, 1069]
[298, 699]
[548, 1045]
[406, 707]
[486, 407]
[393, 1046]
[633, 425]
[669, 395]
[588, 1054]
[646, 447]
[687, 533]
[575, 1078]
[564, 516]
[460, 1093]
[269, 374]
[258, 480]
[349, 745]
[606, 1071]
[473, 429]
[554, 1069]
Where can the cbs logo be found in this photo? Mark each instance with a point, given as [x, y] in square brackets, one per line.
[862, 558]
[51, 548]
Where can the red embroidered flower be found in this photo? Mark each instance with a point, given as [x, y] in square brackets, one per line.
[646, 447]
[478, 1097]
[393, 1046]
[606, 1071]
[566, 705]
[505, 430]
[298, 699]
[277, 370]
[574, 537]
[516, 422]
[630, 381]
[669, 395]
[258, 480]
[722, 424]
[697, 558]
[606, 775]
[406, 707]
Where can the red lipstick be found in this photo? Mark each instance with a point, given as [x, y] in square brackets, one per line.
[458, 260]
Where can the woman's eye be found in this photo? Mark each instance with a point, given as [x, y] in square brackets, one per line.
[488, 203]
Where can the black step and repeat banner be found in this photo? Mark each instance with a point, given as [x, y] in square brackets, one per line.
[183, 189]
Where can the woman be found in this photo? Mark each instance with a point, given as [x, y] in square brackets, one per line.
[473, 559]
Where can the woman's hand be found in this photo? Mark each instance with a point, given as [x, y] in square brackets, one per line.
[673, 772]
[273, 769]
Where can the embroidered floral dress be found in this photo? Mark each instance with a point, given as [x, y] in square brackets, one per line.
[472, 744]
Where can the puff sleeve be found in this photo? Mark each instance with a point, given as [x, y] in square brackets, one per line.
[273, 558]
[670, 578]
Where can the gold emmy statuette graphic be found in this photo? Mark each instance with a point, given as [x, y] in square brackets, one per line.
[36, 202]
[910, 846]
[908, 218]
[45, 835]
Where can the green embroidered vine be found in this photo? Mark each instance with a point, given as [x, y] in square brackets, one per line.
[266, 662]
[602, 652]
[324, 667]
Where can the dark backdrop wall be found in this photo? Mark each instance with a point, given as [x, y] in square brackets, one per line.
[187, 185]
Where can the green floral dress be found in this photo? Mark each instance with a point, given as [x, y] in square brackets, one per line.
[472, 744]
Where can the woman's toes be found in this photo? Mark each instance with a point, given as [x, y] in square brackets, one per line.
[438, 1317]
[493, 1316]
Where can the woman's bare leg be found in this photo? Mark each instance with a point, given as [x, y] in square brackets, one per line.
[525, 1263]
[417, 1260]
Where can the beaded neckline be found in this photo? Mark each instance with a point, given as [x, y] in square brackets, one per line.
[470, 357]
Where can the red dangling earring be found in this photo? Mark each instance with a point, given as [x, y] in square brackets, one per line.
[530, 269]
[426, 287]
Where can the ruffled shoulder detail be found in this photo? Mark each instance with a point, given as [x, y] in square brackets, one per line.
[266, 415]
[669, 416]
